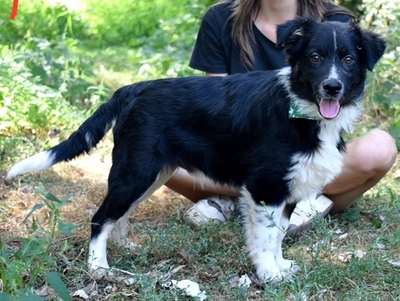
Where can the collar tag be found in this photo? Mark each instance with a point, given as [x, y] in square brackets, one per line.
[294, 112]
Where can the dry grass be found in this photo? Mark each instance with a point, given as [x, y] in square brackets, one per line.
[84, 182]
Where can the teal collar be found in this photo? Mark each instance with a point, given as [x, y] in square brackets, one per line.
[294, 112]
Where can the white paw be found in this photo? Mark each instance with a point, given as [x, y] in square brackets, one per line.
[100, 273]
[274, 274]
[271, 274]
[98, 266]
[133, 247]
[288, 266]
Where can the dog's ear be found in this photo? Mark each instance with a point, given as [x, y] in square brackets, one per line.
[289, 34]
[291, 31]
[373, 46]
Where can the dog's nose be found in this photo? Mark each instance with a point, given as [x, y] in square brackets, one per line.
[332, 87]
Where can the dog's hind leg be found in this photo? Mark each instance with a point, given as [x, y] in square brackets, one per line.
[120, 229]
[124, 194]
[265, 228]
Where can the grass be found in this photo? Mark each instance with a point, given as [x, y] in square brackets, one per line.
[211, 256]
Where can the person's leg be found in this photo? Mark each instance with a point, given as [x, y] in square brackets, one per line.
[197, 188]
[365, 162]
[214, 202]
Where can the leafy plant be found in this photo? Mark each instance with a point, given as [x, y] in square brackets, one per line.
[20, 268]
[39, 18]
[384, 85]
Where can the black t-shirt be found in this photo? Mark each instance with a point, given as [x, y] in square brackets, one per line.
[215, 51]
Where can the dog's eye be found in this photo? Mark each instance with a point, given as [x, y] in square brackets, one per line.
[348, 60]
[315, 58]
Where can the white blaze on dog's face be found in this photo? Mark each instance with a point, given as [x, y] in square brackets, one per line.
[329, 63]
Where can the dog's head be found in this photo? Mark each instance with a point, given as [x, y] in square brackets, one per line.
[329, 61]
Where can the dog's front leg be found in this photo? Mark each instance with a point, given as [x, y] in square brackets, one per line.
[265, 228]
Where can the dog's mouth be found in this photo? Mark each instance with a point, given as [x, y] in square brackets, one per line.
[329, 108]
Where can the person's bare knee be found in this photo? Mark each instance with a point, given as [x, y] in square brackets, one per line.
[374, 153]
[365, 163]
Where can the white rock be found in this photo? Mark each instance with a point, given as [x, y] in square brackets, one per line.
[242, 281]
[191, 289]
[359, 254]
[394, 263]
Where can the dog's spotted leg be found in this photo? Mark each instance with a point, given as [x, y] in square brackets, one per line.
[112, 217]
[119, 234]
[120, 230]
[287, 267]
[265, 228]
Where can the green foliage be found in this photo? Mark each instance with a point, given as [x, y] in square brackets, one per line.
[59, 286]
[45, 83]
[384, 89]
[21, 267]
[47, 53]
[158, 35]
[38, 18]
[27, 105]
[352, 5]
[134, 23]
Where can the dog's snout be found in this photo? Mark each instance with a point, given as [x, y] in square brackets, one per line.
[332, 87]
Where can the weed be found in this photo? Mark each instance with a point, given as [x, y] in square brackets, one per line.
[25, 261]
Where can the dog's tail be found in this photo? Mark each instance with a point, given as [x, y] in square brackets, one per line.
[81, 141]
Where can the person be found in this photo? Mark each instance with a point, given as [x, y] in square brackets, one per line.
[238, 36]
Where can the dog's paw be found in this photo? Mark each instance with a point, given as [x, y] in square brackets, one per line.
[133, 247]
[288, 266]
[275, 274]
[100, 273]
[270, 274]
[98, 267]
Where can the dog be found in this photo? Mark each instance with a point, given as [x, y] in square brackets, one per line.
[235, 130]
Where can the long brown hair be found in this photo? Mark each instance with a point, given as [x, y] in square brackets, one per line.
[243, 12]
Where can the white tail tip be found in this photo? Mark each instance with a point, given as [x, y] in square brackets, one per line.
[38, 162]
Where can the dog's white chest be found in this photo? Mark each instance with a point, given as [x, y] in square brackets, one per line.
[311, 172]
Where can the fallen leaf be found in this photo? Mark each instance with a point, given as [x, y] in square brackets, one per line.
[345, 257]
[81, 294]
[359, 254]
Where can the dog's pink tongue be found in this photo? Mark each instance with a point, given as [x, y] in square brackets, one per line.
[329, 108]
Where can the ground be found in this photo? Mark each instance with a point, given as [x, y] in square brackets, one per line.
[350, 256]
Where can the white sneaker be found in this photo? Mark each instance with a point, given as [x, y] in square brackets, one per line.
[219, 209]
[305, 211]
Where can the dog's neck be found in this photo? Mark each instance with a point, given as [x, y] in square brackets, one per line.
[294, 112]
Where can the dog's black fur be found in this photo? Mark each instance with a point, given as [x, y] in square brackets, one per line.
[236, 131]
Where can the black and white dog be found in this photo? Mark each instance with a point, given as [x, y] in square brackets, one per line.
[235, 130]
